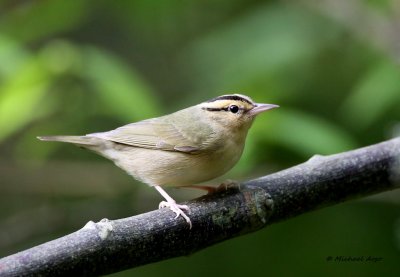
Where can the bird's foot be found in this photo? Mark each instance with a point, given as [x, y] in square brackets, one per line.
[228, 185]
[177, 209]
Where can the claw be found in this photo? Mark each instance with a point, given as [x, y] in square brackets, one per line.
[228, 185]
[177, 209]
[173, 206]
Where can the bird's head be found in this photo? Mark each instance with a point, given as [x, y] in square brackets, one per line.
[233, 110]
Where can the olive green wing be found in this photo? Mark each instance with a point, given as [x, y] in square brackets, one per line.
[159, 134]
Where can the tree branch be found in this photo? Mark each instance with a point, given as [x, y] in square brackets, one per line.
[111, 246]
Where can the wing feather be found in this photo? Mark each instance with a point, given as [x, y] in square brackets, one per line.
[158, 134]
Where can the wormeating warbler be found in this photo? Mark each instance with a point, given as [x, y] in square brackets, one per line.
[184, 148]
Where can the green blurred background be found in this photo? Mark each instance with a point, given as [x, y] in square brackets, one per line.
[76, 67]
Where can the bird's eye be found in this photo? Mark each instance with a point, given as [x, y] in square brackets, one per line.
[233, 108]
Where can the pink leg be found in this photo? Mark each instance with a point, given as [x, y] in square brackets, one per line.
[171, 203]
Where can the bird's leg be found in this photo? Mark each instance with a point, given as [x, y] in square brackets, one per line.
[226, 185]
[209, 189]
[171, 203]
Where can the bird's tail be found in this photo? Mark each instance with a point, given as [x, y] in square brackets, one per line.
[78, 140]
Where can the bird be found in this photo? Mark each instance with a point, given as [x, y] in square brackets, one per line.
[181, 149]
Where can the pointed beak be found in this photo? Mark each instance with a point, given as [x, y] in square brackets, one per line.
[259, 108]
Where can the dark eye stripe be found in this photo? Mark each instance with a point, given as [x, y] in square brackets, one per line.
[230, 97]
[220, 109]
[215, 109]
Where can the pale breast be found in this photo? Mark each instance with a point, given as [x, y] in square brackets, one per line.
[168, 168]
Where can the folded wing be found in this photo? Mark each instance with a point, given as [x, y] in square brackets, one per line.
[157, 134]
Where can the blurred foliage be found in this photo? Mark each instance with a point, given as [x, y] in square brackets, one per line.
[75, 67]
